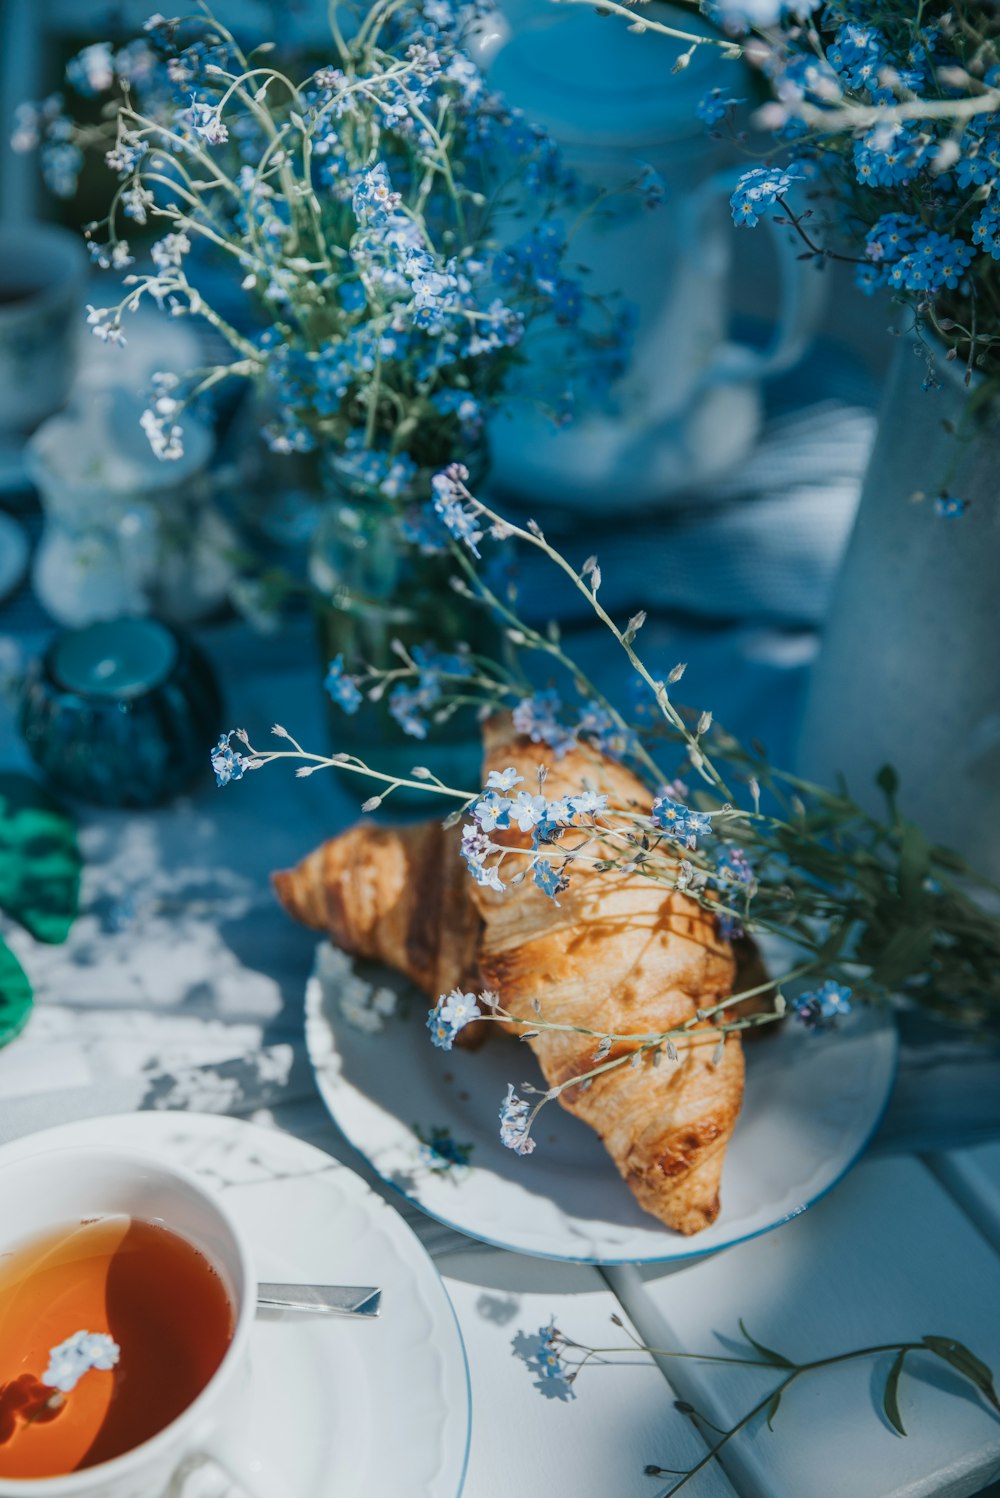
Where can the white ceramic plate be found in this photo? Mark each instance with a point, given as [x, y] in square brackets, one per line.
[811, 1106]
[323, 1391]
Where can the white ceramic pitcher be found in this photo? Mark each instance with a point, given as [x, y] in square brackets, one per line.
[907, 673]
[690, 405]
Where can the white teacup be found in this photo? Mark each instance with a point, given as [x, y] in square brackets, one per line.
[43, 272]
[49, 1190]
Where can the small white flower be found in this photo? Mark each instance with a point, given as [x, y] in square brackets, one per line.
[107, 331]
[166, 441]
[136, 200]
[588, 803]
[207, 122]
[503, 780]
[78, 1355]
[527, 810]
[169, 251]
[514, 1124]
[458, 1009]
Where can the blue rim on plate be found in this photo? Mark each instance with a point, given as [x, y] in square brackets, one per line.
[426, 1123]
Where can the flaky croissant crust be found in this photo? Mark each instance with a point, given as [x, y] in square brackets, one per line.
[620, 954]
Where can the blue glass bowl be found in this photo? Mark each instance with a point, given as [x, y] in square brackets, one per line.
[122, 713]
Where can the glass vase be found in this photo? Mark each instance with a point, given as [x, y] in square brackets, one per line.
[373, 586]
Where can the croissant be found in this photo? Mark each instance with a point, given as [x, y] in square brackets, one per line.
[619, 954]
[398, 895]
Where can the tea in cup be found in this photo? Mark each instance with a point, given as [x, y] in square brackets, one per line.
[126, 1304]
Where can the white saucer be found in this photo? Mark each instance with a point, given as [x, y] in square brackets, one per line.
[812, 1103]
[338, 1409]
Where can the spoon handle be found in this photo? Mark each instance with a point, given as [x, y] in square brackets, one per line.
[336, 1300]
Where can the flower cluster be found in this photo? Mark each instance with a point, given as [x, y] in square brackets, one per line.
[908, 257]
[450, 1014]
[544, 819]
[359, 210]
[449, 506]
[76, 1356]
[515, 1123]
[433, 670]
[758, 190]
[819, 1009]
[228, 763]
[679, 822]
[887, 128]
[342, 688]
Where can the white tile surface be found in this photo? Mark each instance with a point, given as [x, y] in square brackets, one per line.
[972, 1177]
[887, 1257]
[592, 1446]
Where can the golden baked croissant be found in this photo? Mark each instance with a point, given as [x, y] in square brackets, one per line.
[619, 954]
[623, 955]
[399, 895]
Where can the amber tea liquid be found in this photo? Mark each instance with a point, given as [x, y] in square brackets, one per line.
[152, 1291]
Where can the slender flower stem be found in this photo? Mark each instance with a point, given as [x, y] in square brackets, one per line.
[536, 539]
[958, 1357]
[551, 648]
[355, 766]
[642, 22]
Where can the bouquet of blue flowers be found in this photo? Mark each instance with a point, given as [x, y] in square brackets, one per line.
[887, 117]
[392, 225]
[885, 127]
[884, 118]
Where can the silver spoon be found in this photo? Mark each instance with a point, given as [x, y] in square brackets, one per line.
[333, 1300]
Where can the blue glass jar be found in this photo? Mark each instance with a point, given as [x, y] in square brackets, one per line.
[121, 713]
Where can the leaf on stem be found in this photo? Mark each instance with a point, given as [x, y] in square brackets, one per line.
[907, 951]
[966, 1363]
[772, 1409]
[914, 865]
[776, 1358]
[890, 1399]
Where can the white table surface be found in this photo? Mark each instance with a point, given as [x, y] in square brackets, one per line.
[181, 985]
